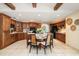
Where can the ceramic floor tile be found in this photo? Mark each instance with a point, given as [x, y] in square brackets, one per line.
[19, 49]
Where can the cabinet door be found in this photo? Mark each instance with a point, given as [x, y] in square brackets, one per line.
[19, 27]
[1, 31]
[6, 23]
[24, 25]
[13, 37]
[60, 37]
[13, 22]
[7, 39]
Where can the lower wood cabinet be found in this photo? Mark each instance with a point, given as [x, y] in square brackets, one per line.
[21, 36]
[0, 43]
[61, 37]
[13, 37]
[7, 39]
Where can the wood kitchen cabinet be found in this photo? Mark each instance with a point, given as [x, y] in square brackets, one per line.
[21, 36]
[19, 26]
[34, 24]
[8, 39]
[61, 37]
[24, 25]
[13, 22]
[13, 37]
[59, 24]
[4, 30]
[1, 32]
[6, 22]
[5, 38]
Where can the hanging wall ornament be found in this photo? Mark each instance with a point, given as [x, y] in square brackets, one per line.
[69, 21]
[73, 27]
[76, 22]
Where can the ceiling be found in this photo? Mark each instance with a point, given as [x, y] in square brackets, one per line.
[44, 12]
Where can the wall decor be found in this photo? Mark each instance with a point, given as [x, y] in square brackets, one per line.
[69, 21]
[76, 22]
[73, 27]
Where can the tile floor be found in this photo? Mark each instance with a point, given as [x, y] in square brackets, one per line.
[19, 49]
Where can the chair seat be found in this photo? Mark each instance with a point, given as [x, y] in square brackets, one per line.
[43, 43]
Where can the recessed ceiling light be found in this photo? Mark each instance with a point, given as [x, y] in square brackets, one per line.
[39, 15]
[31, 20]
[19, 14]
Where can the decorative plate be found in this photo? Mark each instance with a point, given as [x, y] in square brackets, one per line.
[73, 27]
[76, 22]
[69, 21]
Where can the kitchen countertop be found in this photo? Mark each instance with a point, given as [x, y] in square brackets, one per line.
[62, 31]
[20, 32]
[17, 32]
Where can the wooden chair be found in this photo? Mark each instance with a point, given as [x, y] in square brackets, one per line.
[42, 42]
[51, 38]
[50, 41]
[28, 40]
[33, 42]
[29, 37]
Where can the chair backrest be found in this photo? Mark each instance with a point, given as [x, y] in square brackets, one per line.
[33, 39]
[41, 35]
[49, 38]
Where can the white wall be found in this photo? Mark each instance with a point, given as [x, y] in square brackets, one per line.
[72, 37]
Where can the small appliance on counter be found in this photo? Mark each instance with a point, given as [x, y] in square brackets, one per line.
[12, 28]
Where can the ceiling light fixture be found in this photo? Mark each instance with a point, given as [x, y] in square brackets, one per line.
[39, 15]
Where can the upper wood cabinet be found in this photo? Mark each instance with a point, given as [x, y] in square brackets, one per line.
[19, 26]
[13, 22]
[24, 25]
[59, 24]
[31, 24]
[34, 24]
[6, 22]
